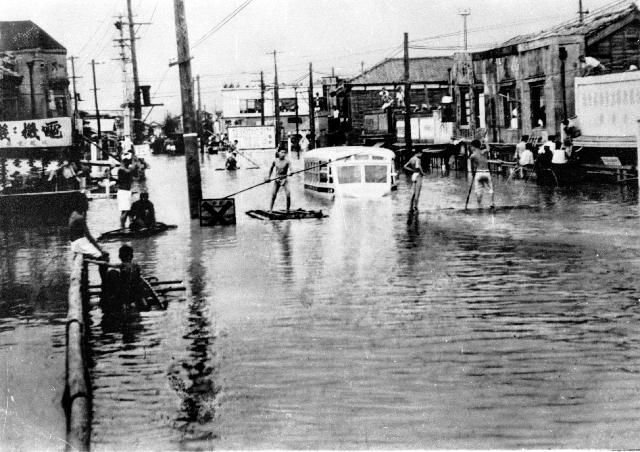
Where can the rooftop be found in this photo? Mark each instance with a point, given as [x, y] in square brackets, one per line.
[592, 23]
[425, 69]
[24, 34]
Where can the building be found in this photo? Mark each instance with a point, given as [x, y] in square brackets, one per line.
[526, 86]
[33, 73]
[243, 107]
[429, 78]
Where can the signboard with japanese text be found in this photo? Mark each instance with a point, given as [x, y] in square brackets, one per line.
[608, 105]
[253, 137]
[36, 133]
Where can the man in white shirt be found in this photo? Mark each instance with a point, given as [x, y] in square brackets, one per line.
[526, 162]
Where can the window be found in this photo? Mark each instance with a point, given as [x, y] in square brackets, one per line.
[60, 101]
[510, 110]
[250, 106]
[349, 175]
[288, 104]
[375, 174]
[465, 106]
[538, 107]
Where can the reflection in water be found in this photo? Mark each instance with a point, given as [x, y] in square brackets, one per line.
[199, 394]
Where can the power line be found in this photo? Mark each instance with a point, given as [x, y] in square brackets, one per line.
[222, 23]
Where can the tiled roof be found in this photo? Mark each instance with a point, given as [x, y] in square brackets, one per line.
[426, 69]
[4, 70]
[24, 34]
[592, 23]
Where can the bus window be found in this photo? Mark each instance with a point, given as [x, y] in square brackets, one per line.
[375, 174]
[349, 175]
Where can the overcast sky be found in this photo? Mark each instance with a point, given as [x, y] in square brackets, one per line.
[338, 34]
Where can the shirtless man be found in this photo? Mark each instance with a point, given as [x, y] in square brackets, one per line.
[415, 166]
[282, 168]
[482, 180]
[82, 242]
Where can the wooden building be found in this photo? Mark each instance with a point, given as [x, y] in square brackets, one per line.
[526, 86]
[429, 78]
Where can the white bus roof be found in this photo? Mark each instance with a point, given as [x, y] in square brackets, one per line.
[337, 152]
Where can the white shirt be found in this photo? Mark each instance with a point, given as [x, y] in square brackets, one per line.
[559, 156]
[526, 158]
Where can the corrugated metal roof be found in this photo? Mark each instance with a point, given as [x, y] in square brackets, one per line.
[592, 23]
[24, 34]
[426, 69]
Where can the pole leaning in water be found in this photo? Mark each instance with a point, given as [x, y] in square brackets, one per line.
[190, 137]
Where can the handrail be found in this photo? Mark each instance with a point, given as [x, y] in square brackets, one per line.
[77, 397]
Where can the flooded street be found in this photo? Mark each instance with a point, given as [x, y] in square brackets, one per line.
[513, 329]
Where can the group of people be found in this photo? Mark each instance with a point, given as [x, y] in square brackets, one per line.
[141, 213]
[550, 154]
[120, 282]
[482, 182]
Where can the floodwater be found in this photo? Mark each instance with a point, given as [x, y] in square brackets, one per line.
[518, 328]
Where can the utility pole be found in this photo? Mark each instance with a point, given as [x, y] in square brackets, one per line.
[407, 98]
[312, 111]
[261, 98]
[95, 97]
[137, 106]
[199, 116]
[276, 99]
[464, 13]
[190, 138]
[73, 77]
[127, 100]
[581, 12]
[295, 93]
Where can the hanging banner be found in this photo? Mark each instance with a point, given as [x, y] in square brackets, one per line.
[36, 133]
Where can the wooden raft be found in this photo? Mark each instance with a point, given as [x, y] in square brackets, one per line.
[127, 233]
[298, 214]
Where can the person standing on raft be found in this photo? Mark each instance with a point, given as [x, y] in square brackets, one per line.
[282, 168]
[480, 165]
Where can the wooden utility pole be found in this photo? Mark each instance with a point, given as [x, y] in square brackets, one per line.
[127, 101]
[464, 13]
[261, 98]
[75, 92]
[137, 106]
[295, 93]
[407, 98]
[312, 111]
[581, 12]
[199, 116]
[95, 97]
[276, 99]
[190, 138]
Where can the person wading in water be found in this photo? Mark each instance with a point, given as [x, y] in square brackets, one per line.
[282, 168]
[482, 180]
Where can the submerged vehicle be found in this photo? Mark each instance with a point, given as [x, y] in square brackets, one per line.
[352, 171]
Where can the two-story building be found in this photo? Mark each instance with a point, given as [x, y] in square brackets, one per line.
[33, 73]
[242, 106]
[526, 86]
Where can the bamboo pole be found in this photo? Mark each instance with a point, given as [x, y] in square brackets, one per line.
[77, 388]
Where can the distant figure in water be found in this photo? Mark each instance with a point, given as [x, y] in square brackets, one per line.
[142, 213]
[231, 164]
[282, 168]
